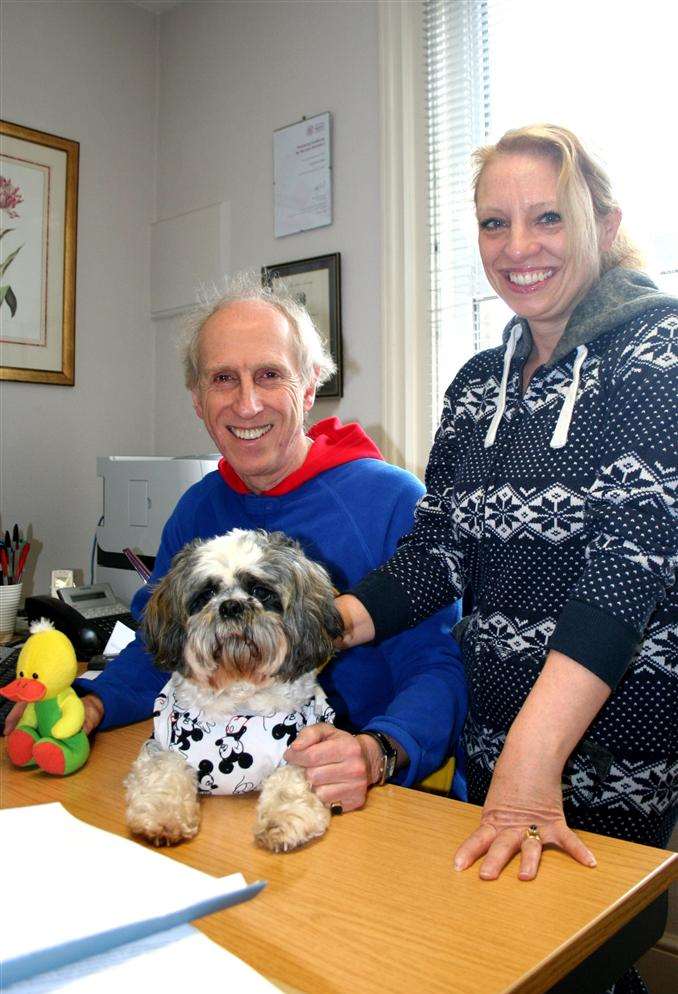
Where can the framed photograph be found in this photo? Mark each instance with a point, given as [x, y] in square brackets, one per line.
[316, 283]
[38, 232]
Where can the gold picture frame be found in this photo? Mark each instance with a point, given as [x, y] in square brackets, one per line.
[38, 246]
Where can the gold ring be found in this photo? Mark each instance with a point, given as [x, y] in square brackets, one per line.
[336, 808]
[532, 832]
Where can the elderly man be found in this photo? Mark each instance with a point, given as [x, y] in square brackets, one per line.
[253, 363]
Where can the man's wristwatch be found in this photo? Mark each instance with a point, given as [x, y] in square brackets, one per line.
[389, 754]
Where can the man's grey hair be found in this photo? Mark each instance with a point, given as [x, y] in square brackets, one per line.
[314, 360]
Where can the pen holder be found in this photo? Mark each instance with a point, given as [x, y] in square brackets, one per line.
[9, 605]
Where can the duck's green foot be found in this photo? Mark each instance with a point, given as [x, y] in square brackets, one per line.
[61, 756]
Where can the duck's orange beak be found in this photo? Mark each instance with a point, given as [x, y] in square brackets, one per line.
[23, 689]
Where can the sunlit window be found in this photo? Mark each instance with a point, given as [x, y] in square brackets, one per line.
[606, 70]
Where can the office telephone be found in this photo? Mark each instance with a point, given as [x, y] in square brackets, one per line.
[87, 615]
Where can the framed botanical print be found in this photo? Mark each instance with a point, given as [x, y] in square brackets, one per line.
[38, 232]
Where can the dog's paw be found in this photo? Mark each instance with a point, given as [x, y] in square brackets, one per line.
[289, 814]
[162, 800]
[288, 830]
[163, 826]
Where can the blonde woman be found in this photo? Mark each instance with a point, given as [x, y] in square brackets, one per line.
[550, 498]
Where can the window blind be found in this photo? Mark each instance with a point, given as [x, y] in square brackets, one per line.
[458, 115]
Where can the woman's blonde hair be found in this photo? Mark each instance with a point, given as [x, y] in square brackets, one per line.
[584, 191]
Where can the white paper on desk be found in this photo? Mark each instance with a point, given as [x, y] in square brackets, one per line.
[119, 638]
[77, 891]
[182, 957]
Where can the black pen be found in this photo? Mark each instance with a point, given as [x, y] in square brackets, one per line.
[16, 549]
[10, 556]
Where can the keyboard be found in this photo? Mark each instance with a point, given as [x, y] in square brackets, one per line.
[7, 674]
[105, 625]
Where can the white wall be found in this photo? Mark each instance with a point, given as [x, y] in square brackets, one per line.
[212, 80]
[230, 74]
[85, 71]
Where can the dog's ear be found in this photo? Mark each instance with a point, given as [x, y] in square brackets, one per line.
[327, 615]
[331, 619]
[164, 621]
[312, 620]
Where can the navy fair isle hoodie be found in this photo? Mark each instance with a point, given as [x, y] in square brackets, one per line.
[556, 509]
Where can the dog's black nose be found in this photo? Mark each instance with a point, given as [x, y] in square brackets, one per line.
[231, 609]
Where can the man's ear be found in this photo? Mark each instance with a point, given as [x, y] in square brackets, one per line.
[609, 226]
[197, 403]
[309, 391]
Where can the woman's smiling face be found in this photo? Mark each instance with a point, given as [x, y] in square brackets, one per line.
[523, 243]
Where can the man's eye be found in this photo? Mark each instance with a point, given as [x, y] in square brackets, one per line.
[268, 374]
[550, 217]
[491, 224]
[222, 378]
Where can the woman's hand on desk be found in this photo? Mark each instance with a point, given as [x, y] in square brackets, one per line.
[94, 712]
[511, 807]
[523, 809]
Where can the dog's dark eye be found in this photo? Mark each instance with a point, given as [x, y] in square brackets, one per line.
[198, 601]
[267, 598]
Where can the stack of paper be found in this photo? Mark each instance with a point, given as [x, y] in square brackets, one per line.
[81, 904]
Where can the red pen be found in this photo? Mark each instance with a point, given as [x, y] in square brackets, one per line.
[4, 563]
[140, 567]
[23, 556]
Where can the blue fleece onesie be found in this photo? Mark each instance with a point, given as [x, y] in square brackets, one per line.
[347, 508]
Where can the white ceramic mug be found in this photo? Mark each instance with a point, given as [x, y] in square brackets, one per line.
[9, 604]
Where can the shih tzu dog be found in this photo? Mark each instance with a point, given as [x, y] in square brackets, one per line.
[243, 622]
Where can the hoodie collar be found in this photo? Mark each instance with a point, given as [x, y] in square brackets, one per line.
[333, 444]
[617, 297]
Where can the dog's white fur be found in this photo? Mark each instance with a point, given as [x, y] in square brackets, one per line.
[289, 640]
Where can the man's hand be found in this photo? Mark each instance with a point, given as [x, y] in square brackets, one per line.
[14, 716]
[339, 766]
[94, 712]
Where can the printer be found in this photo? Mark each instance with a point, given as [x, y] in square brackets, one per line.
[139, 494]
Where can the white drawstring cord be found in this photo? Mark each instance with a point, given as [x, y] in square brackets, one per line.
[516, 332]
[559, 437]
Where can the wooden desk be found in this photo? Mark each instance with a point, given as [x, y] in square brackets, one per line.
[375, 907]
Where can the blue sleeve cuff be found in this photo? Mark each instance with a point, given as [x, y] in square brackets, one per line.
[596, 639]
[409, 774]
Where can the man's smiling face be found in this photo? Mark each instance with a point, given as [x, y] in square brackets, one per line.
[250, 394]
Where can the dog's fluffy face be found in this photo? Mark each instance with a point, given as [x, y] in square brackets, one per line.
[247, 606]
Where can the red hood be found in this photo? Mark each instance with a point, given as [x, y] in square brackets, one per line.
[333, 444]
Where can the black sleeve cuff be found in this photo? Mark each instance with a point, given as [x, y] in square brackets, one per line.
[596, 639]
[387, 603]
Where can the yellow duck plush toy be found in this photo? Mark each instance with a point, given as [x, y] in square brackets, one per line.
[50, 733]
